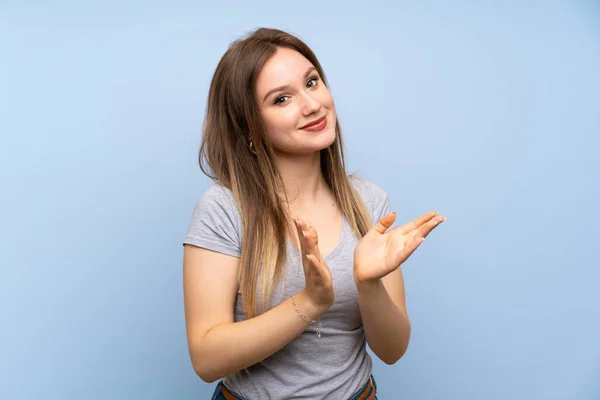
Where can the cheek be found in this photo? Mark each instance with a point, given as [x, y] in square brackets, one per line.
[326, 99]
[280, 122]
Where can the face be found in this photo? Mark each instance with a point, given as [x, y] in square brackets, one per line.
[295, 104]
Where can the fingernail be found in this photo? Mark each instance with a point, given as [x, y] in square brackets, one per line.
[304, 234]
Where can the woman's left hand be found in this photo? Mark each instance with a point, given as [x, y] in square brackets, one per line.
[379, 252]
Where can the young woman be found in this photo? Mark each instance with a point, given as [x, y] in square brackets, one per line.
[290, 265]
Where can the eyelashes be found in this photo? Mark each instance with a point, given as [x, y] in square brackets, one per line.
[281, 100]
[311, 83]
[315, 79]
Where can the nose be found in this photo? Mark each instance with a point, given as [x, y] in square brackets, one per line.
[310, 105]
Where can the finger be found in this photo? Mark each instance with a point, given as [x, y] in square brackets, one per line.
[385, 222]
[299, 229]
[312, 239]
[426, 229]
[415, 224]
[301, 224]
[308, 238]
[307, 232]
[315, 264]
[308, 270]
[418, 238]
[408, 249]
[312, 242]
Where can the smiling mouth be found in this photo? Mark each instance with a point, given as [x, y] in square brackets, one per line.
[316, 125]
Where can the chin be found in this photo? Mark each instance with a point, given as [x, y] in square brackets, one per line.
[325, 139]
[331, 138]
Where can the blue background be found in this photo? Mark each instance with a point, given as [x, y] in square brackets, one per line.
[488, 112]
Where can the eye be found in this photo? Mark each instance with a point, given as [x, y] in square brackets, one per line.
[281, 100]
[312, 82]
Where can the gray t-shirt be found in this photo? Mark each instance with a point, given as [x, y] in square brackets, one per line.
[334, 366]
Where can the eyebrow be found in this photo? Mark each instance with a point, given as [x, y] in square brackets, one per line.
[280, 88]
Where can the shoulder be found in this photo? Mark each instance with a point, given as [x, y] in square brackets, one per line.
[375, 198]
[368, 190]
[218, 202]
[216, 223]
[216, 192]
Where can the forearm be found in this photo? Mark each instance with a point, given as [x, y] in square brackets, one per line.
[387, 327]
[231, 347]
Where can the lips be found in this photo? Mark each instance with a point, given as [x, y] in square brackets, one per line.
[314, 123]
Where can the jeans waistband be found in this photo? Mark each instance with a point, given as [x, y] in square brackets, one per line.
[367, 392]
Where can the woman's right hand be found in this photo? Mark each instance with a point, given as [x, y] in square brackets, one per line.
[319, 283]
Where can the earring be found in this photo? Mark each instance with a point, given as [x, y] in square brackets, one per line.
[252, 147]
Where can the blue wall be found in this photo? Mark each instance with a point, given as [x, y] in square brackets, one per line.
[489, 113]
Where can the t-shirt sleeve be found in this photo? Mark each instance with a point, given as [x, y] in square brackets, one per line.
[376, 199]
[216, 223]
[380, 203]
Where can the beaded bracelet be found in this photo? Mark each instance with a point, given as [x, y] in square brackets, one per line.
[304, 317]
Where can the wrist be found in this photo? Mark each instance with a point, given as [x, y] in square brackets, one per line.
[308, 307]
[368, 285]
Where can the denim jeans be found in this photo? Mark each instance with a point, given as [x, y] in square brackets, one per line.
[367, 392]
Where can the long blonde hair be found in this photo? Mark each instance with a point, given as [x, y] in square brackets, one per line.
[233, 120]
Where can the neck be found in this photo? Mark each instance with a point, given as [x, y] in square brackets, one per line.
[302, 178]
